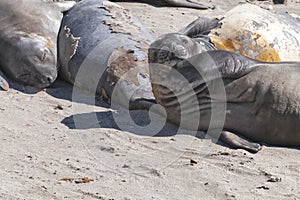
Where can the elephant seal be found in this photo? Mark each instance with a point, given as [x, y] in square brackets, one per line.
[175, 3]
[28, 36]
[261, 99]
[259, 34]
[187, 4]
[103, 49]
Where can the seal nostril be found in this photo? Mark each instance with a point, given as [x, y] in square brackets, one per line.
[49, 79]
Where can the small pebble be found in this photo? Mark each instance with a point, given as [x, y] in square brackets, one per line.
[59, 107]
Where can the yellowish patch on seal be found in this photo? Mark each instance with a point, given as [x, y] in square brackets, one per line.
[266, 51]
[224, 44]
[250, 44]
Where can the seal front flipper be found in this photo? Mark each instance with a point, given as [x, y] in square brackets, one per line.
[219, 64]
[235, 141]
[3, 83]
[188, 4]
[201, 26]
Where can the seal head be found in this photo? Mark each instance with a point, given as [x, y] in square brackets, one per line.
[174, 47]
[33, 61]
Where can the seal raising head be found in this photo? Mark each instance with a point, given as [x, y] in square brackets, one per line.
[174, 47]
[224, 93]
[227, 95]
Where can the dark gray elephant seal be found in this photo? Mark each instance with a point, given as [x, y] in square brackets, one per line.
[28, 36]
[261, 99]
[188, 4]
[103, 49]
[175, 3]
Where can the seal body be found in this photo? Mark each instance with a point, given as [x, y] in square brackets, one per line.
[102, 49]
[28, 36]
[219, 90]
[259, 34]
[264, 104]
[188, 4]
[175, 3]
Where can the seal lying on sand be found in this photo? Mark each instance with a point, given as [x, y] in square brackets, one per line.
[28, 36]
[196, 87]
[103, 49]
[175, 3]
[259, 34]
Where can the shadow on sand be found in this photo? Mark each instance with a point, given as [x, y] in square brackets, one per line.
[117, 121]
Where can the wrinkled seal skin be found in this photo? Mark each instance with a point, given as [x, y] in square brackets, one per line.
[103, 49]
[262, 99]
[28, 37]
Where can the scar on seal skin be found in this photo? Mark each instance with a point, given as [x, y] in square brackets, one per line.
[103, 50]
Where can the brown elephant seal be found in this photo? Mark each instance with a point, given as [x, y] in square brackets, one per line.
[258, 100]
[28, 37]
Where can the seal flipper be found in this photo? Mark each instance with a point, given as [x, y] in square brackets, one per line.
[219, 64]
[235, 141]
[201, 26]
[3, 83]
[188, 4]
[141, 104]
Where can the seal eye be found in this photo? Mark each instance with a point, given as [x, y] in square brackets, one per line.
[43, 56]
[184, 40]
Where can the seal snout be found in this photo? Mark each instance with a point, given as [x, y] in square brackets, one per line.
[50, 79]
[47, 78]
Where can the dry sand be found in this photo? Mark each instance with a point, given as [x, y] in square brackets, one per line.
[43, 155]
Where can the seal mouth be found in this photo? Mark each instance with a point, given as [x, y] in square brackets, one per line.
[36, 81]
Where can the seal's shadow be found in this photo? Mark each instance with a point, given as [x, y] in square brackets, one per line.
[106, 119]
[63, 90]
